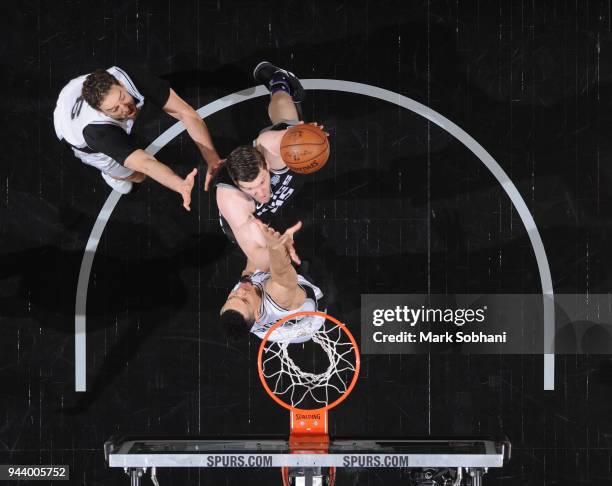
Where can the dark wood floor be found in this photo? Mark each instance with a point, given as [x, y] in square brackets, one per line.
[401, 207]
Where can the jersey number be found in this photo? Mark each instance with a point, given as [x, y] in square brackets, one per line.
[76, 108]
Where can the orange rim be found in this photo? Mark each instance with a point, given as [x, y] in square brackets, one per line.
[341, 398]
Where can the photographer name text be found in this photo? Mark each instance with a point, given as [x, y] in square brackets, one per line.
[411, 317]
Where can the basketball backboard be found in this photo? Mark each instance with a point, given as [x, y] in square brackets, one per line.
[467, 458]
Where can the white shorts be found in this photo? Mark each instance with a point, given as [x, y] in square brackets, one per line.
[295, 332]
[103, 163]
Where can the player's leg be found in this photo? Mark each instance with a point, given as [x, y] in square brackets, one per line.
[119, 185]
[118, 177]
[286, 89]
[124, 184]
[282, 108]
[137, 177]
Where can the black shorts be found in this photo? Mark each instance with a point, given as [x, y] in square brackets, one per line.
[281, 125]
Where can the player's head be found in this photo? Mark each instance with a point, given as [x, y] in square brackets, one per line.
[248, 169]
[102, 91]
[234, 326]
[241, 309]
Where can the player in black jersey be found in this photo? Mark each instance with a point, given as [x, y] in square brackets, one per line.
[255, 182]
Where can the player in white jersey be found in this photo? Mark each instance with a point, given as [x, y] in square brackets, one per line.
[260, 299]
[95, 115]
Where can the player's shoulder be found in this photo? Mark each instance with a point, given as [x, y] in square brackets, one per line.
[271, 138]
[233, 204]
[73, 84]
[227, 192]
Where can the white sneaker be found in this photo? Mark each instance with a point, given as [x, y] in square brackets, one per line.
[122, 187]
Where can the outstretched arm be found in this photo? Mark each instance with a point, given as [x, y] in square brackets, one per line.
[279, 247]
[198, 131]
[250, 268]
[237, 210]
[140, 161]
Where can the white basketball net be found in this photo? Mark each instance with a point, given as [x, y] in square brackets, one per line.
[289, 382]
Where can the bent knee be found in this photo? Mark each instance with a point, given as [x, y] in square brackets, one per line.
[137, 177]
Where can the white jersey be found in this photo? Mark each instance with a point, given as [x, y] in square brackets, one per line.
[72, 114]
[270, 312]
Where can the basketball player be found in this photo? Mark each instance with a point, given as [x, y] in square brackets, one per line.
[255, 183]
[261, 299]
[95, 115]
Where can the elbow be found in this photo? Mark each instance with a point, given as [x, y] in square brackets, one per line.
[138, 161]
[190, 118]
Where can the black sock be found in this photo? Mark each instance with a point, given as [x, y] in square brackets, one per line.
[279, 82]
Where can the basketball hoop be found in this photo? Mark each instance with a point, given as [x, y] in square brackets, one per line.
[292, 387]
[308, 394]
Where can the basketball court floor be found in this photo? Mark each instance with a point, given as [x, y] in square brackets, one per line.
[402, 206]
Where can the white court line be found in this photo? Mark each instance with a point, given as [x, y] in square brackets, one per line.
[80, 354]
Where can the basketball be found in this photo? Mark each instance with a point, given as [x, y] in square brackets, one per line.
[304, 148]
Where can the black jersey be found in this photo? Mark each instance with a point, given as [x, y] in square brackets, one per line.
[284, 183]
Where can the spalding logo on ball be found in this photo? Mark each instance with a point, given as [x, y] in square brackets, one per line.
[304, 148]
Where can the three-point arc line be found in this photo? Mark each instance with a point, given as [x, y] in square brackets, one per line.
[80, 318]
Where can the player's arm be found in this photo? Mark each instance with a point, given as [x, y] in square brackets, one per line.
[250, 268]
[238, 212]
[141, 161]
[268, 144]
[283, 283]
[197, 129]
[119, 146]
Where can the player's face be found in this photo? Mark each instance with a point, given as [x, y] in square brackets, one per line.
[259, 188]
[118, 103]
[245, 300]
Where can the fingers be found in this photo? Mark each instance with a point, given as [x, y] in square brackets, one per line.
[321, 127]
[285, 239]
[294, 229]
[188, 186]
[263, 227]
[294, 256]
[211, 171]
[208, 179]
[269, 233]
[187, 199]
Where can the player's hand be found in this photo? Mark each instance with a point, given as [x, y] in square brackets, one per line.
[287, 240]
[186, 187]
[274, 240]
[271, 236]
[318, 126]
[213, 167]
